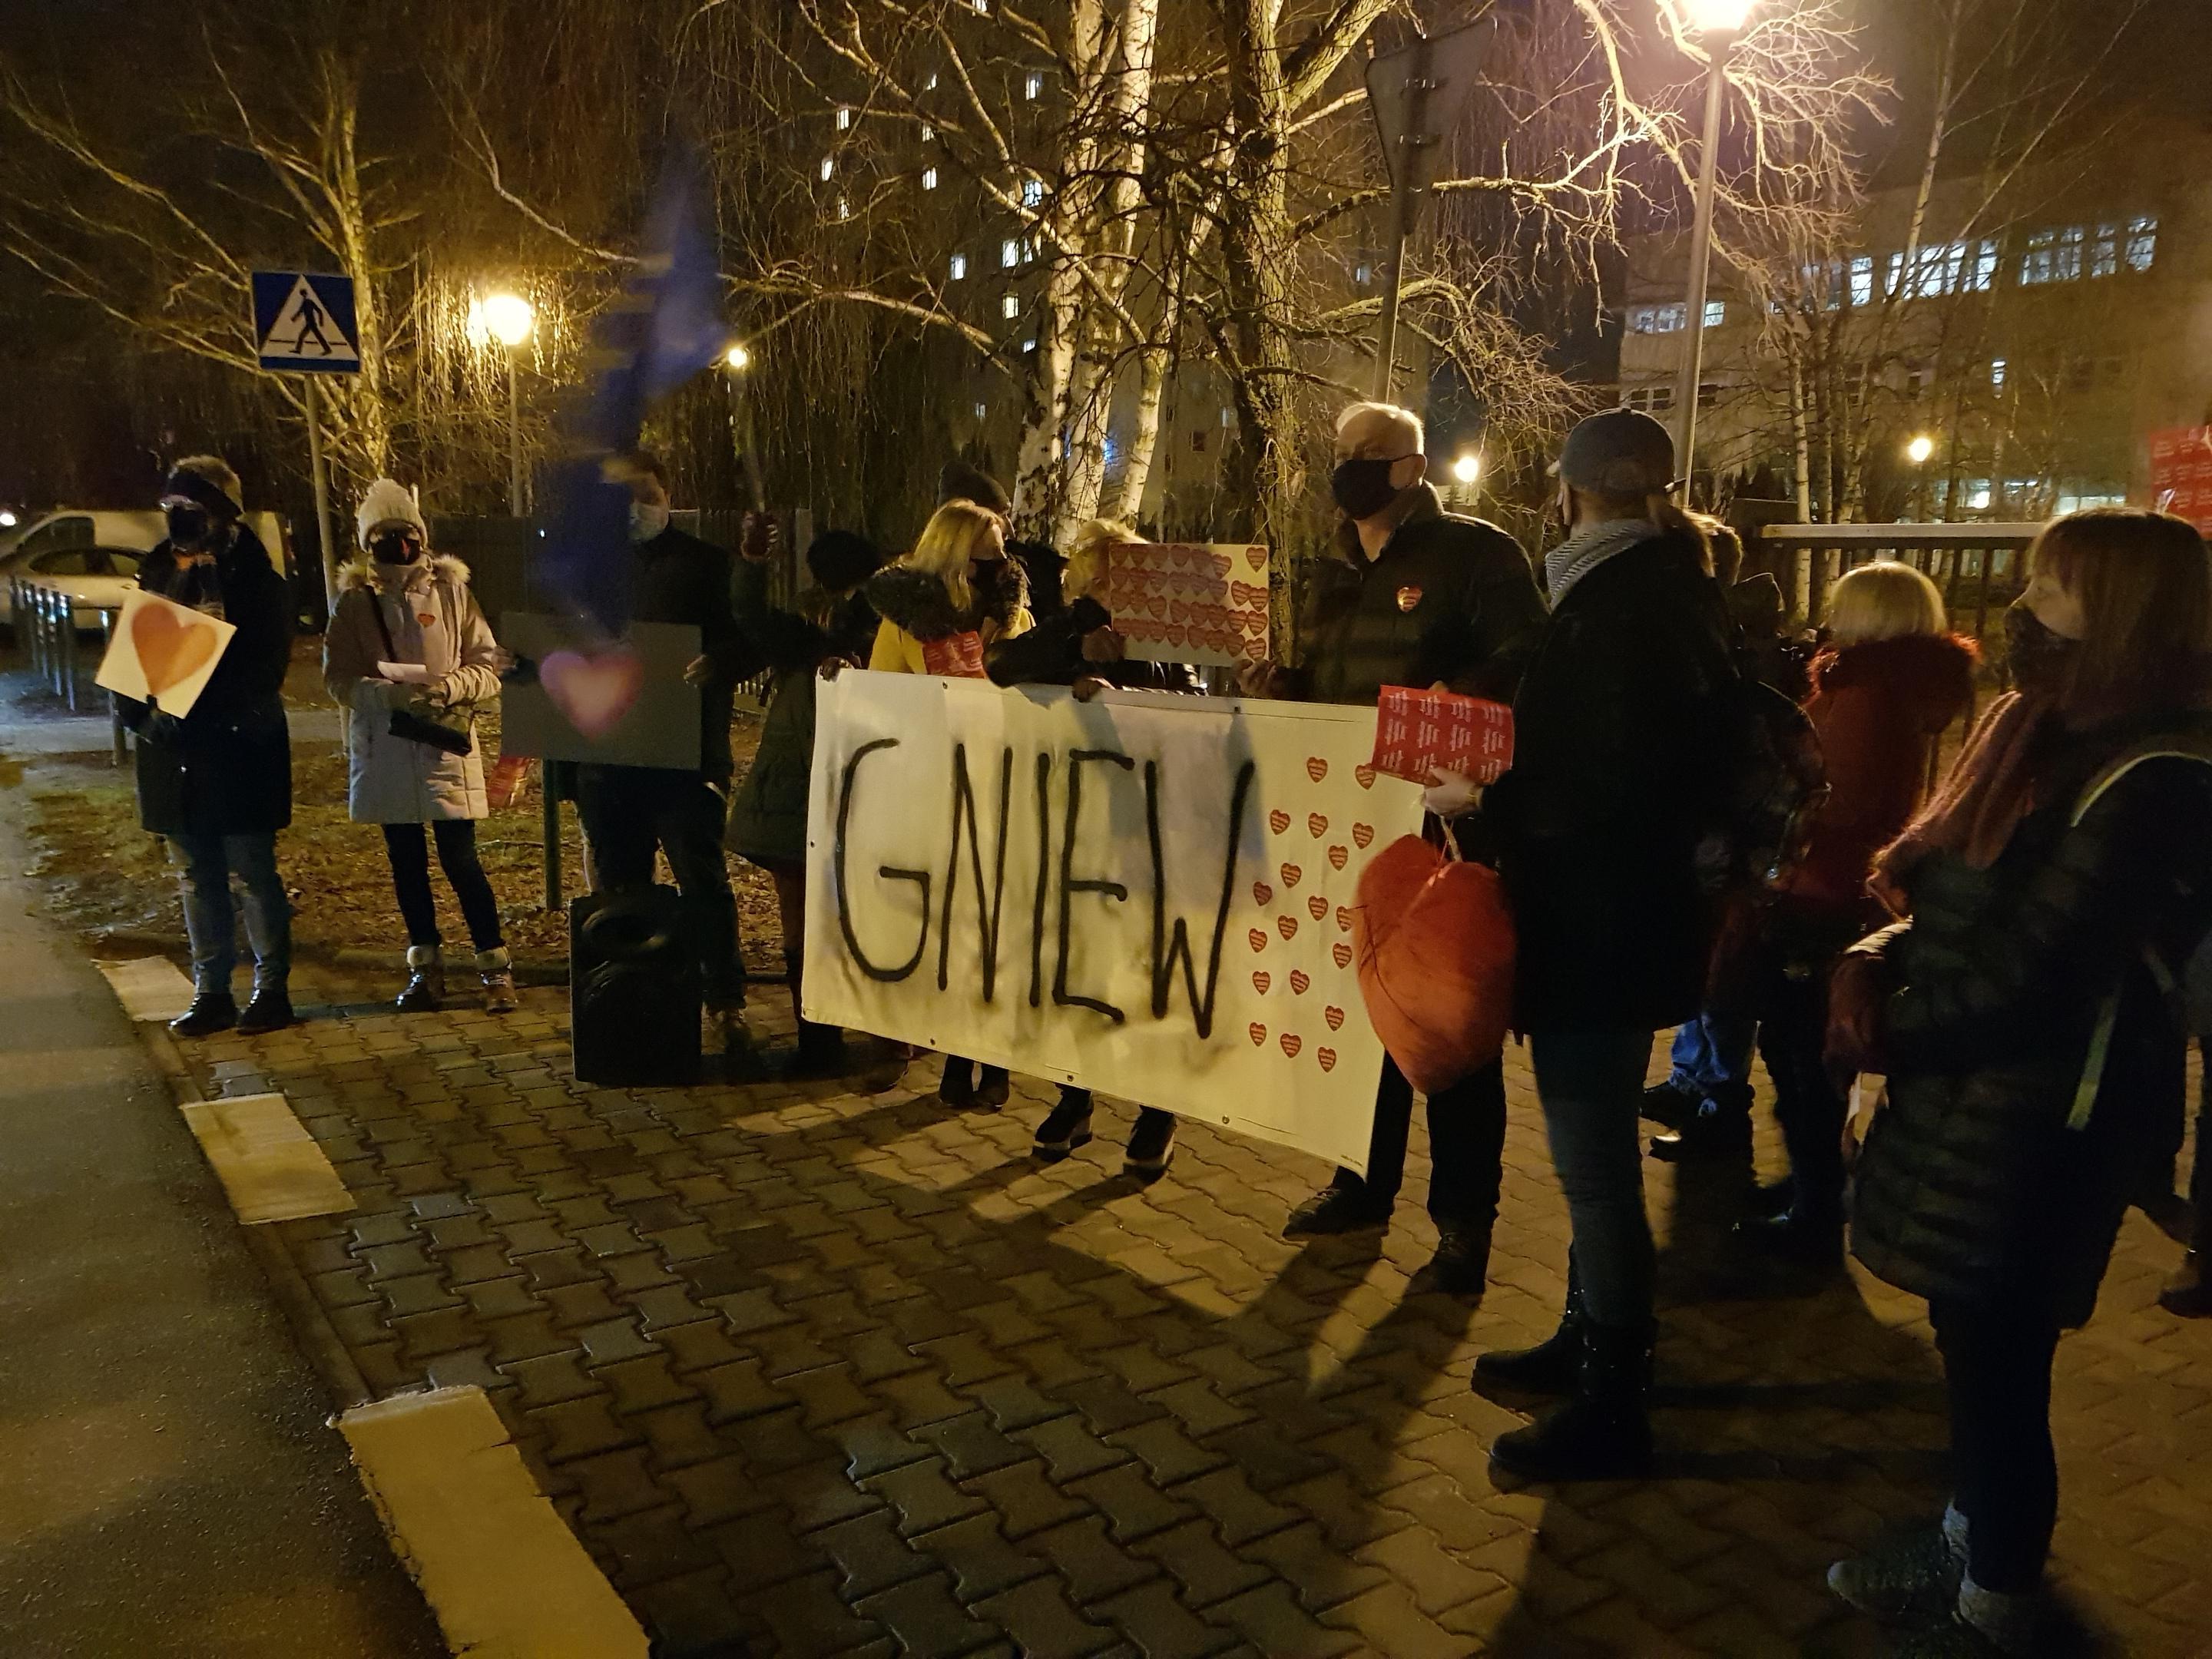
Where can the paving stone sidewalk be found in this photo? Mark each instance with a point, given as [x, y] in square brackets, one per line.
[816, 1373]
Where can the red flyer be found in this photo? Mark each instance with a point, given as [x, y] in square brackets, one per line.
[1417, 733]
[2181, 473]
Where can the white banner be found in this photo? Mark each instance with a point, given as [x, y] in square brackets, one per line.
[1148, 894]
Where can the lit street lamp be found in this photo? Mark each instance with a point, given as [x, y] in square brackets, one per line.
[509, 319]
[1719, 22]
[1920, 449]
[1468, 468]
[737, 359]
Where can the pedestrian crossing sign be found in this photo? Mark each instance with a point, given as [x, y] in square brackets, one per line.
[305, 320]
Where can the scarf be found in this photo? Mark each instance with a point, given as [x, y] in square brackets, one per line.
[1991, 787]
[196, 581]
[1589, 548]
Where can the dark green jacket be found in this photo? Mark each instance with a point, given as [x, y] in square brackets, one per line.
[1451, 599]
[1972, 1188]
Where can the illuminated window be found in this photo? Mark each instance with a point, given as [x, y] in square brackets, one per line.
[1363, 275]
[2053, 256]
[1659, 319]
[930, 85]
[929, 178]
[1945, 268]
[1224, 419]
[1863, 279]
[844, 209]
[828, 167]
[1715, 312]
[1032, 192]
[983, 411]
[1033, 86]
[1029, 345]
[928, 132]
[1011, 306]
[1996, 374]
[844, 119]
[1010, 253]
[2142, 242]
[959, 266]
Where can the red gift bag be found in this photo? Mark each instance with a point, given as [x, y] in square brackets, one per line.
[1436, 949]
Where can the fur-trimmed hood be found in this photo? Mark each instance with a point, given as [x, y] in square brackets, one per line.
[917, 602]
[1931, 674]
[362, 571]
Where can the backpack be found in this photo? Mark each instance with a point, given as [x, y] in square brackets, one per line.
[1773, 785]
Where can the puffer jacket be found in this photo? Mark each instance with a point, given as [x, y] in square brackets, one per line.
[1973, 1187]
[1051, 654]
[433, 620]
[923, 632]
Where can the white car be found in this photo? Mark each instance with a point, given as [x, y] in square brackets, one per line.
[95, 556]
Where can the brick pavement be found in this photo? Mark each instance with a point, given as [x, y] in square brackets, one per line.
[814, 1373]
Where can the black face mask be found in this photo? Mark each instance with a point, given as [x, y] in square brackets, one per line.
[2040, 659]
[189, 525]
[1362, 486]
[394, 548]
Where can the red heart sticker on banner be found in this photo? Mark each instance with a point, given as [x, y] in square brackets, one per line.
[1292, 1043]
[1259, 939]
[1327, 1057]
[1261, 980]
[1362, 833]
[1316, 824]
[1259, 1034]
[1366, 776]
[1220, 563]
[1256, 557]
[1339, 854]
[1261, 893]
[1291, 874]
[1158, 608]
[1247, 596]
[1344, 918]
[1316, 767]
[1335, 1016]
[1287, 926]
[1175, 635]
[1299, 983]
[1179, 557]
[1342, 953]
[1279, 820]
[1316, 906]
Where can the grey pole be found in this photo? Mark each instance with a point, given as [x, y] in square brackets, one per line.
[514, 480]
[322, 499]
[1701, 252]
[1404, 201]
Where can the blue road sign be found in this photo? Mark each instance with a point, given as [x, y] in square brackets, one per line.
[304, 320]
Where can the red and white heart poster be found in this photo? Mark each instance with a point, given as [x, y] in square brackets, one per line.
[1417, 733]
[2181, 473]
[1190, 602]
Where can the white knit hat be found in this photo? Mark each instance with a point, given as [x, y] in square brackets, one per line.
[388, 502]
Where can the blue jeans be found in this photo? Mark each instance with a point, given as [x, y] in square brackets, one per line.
[204, 865]
[1590, 1084]
[1712, 1051]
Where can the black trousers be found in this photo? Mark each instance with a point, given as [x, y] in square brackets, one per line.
[408, 849]
[631, 812]
[1467, 1146]
[1793, 1028]
[1996, 1370]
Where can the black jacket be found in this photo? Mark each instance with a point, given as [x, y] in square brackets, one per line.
[1051, 654]
[1450, 598]
[677, 578]
[1971, 1187]
[225, 769]
[1617, 768]
[767, 816]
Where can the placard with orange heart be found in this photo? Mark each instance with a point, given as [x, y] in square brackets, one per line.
[164, 651]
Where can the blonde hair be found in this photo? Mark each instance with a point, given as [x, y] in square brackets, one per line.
[949, 544]
[1885, 601]
[1086, 558]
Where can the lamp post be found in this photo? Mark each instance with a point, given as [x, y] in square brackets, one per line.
[508, 319]
[1918, 451]
[1467, 472]
[737, 359]
[1719, 22]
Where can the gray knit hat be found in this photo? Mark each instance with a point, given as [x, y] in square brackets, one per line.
[1622, 454]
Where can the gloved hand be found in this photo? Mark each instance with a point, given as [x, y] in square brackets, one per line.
[160, 727]
[373, 698]
[1450, 794]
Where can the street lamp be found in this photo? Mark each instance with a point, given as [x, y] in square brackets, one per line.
[1720, 22]
[509, 319]
[1467, 467]
[737, 357]
[1920, 449]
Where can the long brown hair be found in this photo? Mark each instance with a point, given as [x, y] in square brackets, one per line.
[2145, 583]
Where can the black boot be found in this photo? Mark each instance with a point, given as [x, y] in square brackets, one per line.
[212, 1011]
[1721, 1126]
[271, 1009]
[821, 1049]
[1603, 1433]
[1460, 1266]
[1797, 1236]
[1553, 1365]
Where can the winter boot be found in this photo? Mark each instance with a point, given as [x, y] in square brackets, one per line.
[1067, 1126]
[1460, 1266]
[1909, 1575]
[1553, 1365]
[1337, 1209]
[496, 968]
[2187, 1294]
[271, 1009]
[1602, 1433]
[212, 1011]
[821, 1050]
[426, 980]
[1152, 1144]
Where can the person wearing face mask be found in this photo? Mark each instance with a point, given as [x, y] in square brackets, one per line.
[630, 812]
[1620, 768]
[403, 607]
[217, 784]
[1417, 597]
[2062, 873]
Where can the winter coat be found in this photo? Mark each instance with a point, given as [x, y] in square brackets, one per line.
[433, 619]
[1448, 599]
[1877, 709]
[226, 768]
[1051, 654]
[1971, 1187]
[767, 819]
[922, 632]
[1620, 757]
[677, 578]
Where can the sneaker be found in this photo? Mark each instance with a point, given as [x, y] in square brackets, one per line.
[1460, 1266]
[1067, 1126]
[1336, 1210]
[212, 1011]
[2188, 1294]
[1152, 1143]
[1913, 1575]
[270, 1011]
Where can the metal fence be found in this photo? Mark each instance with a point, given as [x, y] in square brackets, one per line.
[1977, 566]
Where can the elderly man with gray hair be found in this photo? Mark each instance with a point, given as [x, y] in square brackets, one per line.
[1417, 597]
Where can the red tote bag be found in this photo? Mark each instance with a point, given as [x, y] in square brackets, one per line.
[1436, 948]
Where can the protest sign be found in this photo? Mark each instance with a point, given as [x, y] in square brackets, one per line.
[1418, 733]
[2181, 473]
[1188, 602]
[1148, 894]
[162, 650]
[623, 704]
